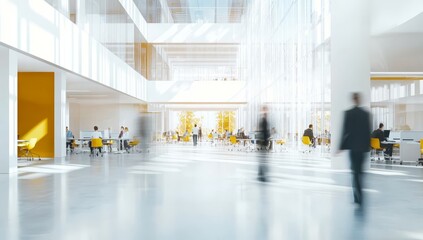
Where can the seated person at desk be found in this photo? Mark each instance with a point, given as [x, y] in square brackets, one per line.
[95, 134]
[378, 133]
[309, 133]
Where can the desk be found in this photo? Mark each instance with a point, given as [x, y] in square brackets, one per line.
[246, 143]
[409, 150]
[110, 141]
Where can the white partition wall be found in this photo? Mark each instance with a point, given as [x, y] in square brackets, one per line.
[8, 110]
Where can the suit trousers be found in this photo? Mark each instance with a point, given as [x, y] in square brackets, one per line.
[194, 139]
[357, 160]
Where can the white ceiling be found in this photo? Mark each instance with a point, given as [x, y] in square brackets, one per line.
[397, 40]
[78, 89]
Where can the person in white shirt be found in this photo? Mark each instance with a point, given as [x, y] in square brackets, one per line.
[195, 134]
[215, 137]
[95, 134]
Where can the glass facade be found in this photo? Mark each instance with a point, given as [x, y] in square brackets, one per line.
[287, 65]
[107, 22]
[192, 62]
[191, 11]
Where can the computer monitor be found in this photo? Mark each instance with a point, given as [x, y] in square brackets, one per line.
[386, 133]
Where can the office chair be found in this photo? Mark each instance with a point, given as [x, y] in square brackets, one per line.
[420, 160]
[281, 143]
[96, 144]
[306, 141]
[28, 149]
[109, 144]
[375, 145]
[233, 142]
[133, 143]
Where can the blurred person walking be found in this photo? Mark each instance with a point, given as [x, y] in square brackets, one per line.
[263, 137]
[195, 135]
[147, 133]
[356, 138]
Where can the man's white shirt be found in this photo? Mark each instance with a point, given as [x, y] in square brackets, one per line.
[96, 134]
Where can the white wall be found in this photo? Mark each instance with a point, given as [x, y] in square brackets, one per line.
[388, 14]
[84, 117]
[414, 116]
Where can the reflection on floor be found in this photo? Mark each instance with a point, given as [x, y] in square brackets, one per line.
[182, 192]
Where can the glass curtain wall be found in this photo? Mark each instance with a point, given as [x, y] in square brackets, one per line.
[286, 54]
[191, 11]
[191, 62]
[107, 22]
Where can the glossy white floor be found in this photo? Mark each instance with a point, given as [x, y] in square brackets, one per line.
[186, 193]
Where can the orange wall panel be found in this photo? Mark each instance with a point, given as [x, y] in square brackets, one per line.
[36, 110]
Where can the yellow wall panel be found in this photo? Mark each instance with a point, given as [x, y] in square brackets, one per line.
[36, 110]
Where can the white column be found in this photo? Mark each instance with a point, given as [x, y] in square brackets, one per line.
[8, 110]
[59, 114]
[81, 14]
[350, 64]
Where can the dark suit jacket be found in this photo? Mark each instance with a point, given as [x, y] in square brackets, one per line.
[309, 133]
[356, 130]
[264, 133]
[378, 134]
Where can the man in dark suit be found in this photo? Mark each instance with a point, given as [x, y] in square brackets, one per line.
[309, 133]
[356, 138]
[378, 133]
[263, 137]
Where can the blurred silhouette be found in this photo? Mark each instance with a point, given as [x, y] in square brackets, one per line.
[263, 139]
[146, 132]
[195, 135]
[309, 133]
[356, 138]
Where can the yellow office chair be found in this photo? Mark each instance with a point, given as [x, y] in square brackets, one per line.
[210, 136]
[22, 148]
[133, 143]
[75, 146]
[233, 142]
[306, 141]
[375, 145]
[186, 139]
[174, 138]
[28, 149]
[96, 144]
[281, 143]
[109, 144]
[420, 160]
